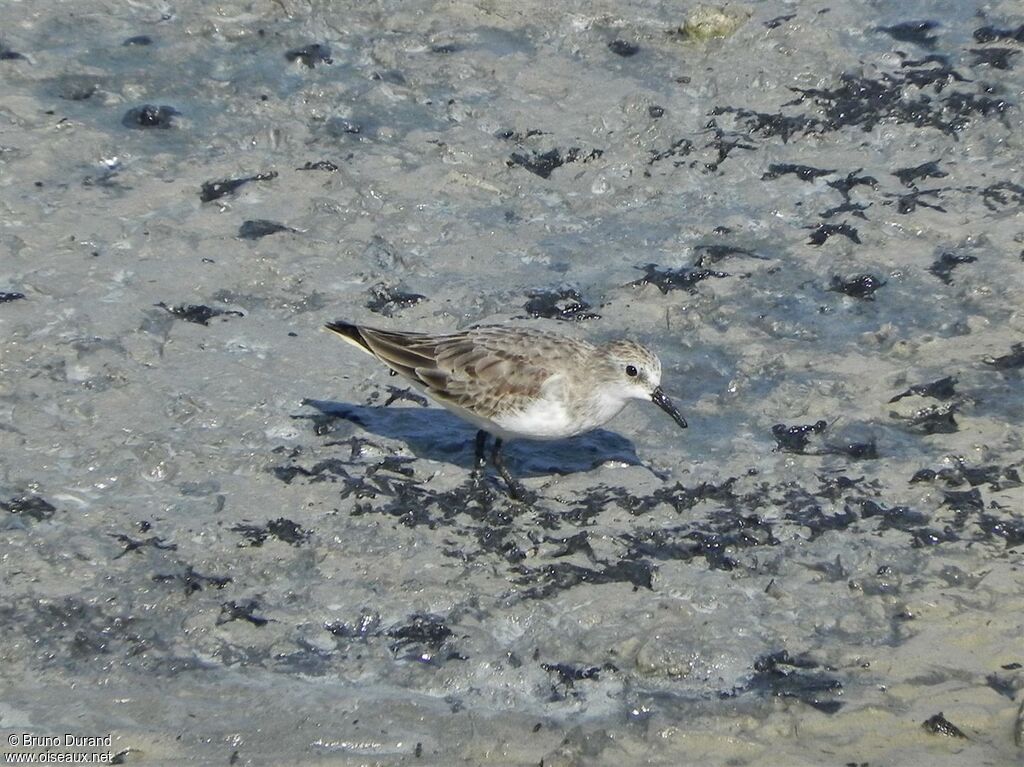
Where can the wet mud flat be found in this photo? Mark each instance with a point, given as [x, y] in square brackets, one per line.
[229, 539]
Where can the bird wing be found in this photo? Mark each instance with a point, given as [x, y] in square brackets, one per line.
[484, 370]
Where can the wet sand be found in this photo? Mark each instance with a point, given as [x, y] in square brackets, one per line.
[229, 538]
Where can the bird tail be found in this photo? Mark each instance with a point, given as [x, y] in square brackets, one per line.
[351, 333]
[413, 355]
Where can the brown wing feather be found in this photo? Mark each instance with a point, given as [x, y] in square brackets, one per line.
[477, 369]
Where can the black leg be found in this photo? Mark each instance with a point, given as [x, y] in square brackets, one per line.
[516, 491]
[481, 459]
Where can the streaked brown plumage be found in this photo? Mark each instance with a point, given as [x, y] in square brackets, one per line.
[514, 382]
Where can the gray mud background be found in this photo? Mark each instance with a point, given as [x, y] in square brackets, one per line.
[227, 539]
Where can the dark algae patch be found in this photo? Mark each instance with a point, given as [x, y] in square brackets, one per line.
[821, 233]
[623, 48]
[192, 581]
[200, 314]
[861, 286]
[310, 55]
[257, 229]
[945, 264]
[794, 439]
[917, 32]
[30, 506]
[282, 529]
[213, 190]
[910, 176]
[782, 675]
[150, 116]
[137, 544]
[388, 300]
[802, 172]
[325, 165]
[559, 304]
[1011, 361]
[543, 164]
[942, 389]
[241, 610]
[939, 725]
[174, 516]
[992, 34]
[683, 278]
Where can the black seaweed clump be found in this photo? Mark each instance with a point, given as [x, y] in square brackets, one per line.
[566, 675]
[423, 636]
[212, 190]
[192, 581]
[942, 389]
[908, 176]
[421, 629]
[7, 54]
[31, 506]
[782, 675]
[200, 314]
[283, 529]
[794, 439]
[1002, 195]
[917, 32]
[326, 165]
[771, 125]
[707, 254]
[683, 278]
[150, 116]
[822, 232]
[935, 419]
[543, 164]
[861, 286]
[939, 725]
[912, 95]
[388, 301]
[945, 264]
[258, 228]
[1011, 361]
[561, 304]
[541, 582]
[803, 172]
[310, 55]
[623, 48]
[993, 34]
[396, 394]
[241, 610]
[778, 21]
[997, 58]
[137, 544]
[678, 149]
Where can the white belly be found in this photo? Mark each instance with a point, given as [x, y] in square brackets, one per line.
[544, 419]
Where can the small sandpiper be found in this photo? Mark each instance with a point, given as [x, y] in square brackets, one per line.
[514, 382]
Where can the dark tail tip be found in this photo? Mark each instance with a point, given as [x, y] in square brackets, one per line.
[348, 331]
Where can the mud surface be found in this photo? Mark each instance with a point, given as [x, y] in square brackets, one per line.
[229, 539]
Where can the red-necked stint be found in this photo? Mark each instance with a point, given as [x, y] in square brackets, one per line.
[514, 382]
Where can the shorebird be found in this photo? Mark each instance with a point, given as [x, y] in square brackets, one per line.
[518, 383]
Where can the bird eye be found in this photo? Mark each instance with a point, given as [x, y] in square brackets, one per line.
[631, 371]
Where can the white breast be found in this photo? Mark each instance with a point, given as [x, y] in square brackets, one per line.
[549, 418]
[546, 418]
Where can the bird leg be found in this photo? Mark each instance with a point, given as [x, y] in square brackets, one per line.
[515, 491]
[481, 458]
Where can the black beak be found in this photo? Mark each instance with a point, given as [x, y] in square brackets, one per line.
[658, 398]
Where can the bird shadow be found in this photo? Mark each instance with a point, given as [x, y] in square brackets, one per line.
[437, 435]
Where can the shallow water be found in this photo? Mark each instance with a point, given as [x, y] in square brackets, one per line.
[229, 538]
